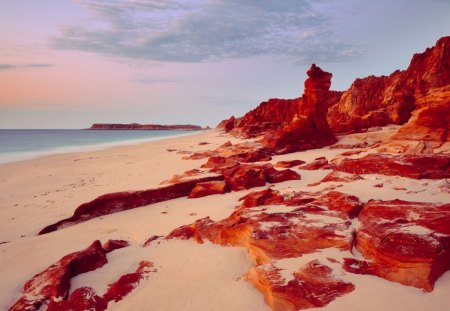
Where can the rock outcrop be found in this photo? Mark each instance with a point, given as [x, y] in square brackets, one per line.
[311, 286]
[371, 101]
[137, 126]
[54, 282]
[309, 129]
[121, 201]
[378, 101]
[409, 165]
[404, 242]
[431, 119]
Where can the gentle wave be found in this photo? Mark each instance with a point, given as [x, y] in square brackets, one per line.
[15, 156]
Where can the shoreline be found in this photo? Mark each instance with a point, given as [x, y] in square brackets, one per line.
[14, 157]
[38, 192]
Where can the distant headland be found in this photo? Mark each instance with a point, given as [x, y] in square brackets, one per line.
[137, 126]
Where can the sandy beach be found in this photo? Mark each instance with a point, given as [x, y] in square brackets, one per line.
[189, 276]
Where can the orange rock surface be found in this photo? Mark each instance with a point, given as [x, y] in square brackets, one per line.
[404, 242]
[313, 285]
[408, 165]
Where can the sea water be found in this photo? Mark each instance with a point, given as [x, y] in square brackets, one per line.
[23, 144]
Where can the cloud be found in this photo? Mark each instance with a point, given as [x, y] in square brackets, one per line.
[182, 31]
[15, 66]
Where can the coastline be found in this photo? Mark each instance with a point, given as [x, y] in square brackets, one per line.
[41, 191]
[29, 155]
[68, 179]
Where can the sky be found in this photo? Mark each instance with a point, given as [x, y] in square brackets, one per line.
[68, 64]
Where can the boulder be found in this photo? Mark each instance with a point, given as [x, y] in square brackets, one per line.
[404, 242]
[54, 282]
[312, 286]
[208, 188]
[405, 165]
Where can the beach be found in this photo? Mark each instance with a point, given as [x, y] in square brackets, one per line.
[188, 275]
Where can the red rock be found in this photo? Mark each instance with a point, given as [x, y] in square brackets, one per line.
[54, 282]
[289, 164]
[337, 176]
[112, 245]
[275, 176]
[380, 185]
[83, 298]
[219, 162]
[313, 285]
[309, 129]
[121, 201]
[263, 197]
[126, 283]
[245, 177]
[208, 188]
[149, 241]
[202, 143]
[404, 242]
[341, 204]
[412, 166]
[318, 164]
[378, 101]
[275, 235]
[181, 177]
[227, 124]
[431, 119]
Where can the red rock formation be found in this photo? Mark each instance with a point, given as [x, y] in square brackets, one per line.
[137, 126]
[376, 101]
[412, 166]
[431, 119]
[208, 188]
[289, 164]
[85, 298]
[310, 128]
[276, 176]
[126, 283]
[405, 242]
[263, 197]
[121, 201]
[182, 177]
[337, 176]
[54, 282]
[245, 177]
[318, 164]
[311, 286]
[281, 234]
[112, 245]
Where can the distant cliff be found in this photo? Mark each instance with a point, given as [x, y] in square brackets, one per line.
[137, 126]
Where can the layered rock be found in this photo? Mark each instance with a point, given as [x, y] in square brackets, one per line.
[263, 197]
[54, 282]
[371, 101]
[278, 231]
[404, 242]
[208, 188]
[431, 119]
[121, 201]
[311, 286]
[310, 128]
[378, 101]
[409, 165]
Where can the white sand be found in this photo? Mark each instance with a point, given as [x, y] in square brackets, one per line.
[190, 276]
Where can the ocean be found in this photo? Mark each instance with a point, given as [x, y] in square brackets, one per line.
[23, 144]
